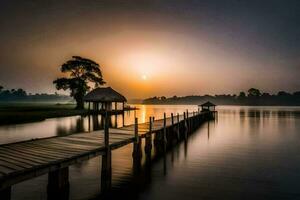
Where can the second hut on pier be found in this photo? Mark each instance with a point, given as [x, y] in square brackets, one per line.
[105, 99]
[208, 106]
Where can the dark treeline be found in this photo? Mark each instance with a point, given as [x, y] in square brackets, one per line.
[252, 97]
[22, 95]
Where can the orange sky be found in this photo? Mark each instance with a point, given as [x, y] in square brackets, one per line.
[151, 49]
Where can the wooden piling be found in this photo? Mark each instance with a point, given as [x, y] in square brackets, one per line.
[192, 121]
[148, 138]
[173, 127]
[188, 121]
[106, 172]
[58, 184]
[136, 132]
[185, 125]
[178, 127]
[184, 120]
[165, 129]
[106, 159]
[5, 193]
[137, 152]
[106, 131]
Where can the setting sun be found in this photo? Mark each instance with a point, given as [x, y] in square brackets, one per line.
[144, 77]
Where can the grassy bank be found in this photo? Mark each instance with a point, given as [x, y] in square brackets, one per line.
[15, 113]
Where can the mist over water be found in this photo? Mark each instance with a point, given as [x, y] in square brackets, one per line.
[247, 152]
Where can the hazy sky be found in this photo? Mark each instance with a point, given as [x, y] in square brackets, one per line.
[148, 48]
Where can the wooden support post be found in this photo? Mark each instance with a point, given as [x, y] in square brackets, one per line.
[5, 193]
[148, 139]
[89, 107]
[106, 130]
[136, 131]
[116, 106]
[106, 172]
[150, 124]
[173, 127]
[106, 159]
[89, 122]
[184, 120]
[137, 152]
[192, 121]
[178, 126]
[123, 119]
[185, 125]
[58, 184]
[187, 120]
[165, 129]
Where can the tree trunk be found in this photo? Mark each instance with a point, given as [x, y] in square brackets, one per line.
[80, 103]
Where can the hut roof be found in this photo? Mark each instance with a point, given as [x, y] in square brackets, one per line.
[106, 94]
[207, 104]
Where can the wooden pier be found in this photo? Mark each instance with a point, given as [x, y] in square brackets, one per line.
[25, 160]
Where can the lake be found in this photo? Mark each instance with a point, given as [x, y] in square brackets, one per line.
[246, 153]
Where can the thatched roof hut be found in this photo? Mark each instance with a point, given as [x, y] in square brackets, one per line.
[104, 97]
[106, 94]
[207, 106]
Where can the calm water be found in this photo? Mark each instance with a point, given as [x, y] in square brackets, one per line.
[247, 153]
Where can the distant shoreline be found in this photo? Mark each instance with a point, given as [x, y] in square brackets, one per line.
[19, 113]
[220, 104]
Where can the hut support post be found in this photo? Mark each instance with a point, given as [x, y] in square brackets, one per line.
[5, 193]
[58, 183]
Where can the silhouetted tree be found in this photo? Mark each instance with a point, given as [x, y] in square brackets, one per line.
[20, 93]
[242, 95]
[163, 98]
[283, 93]
[241, 98]
[265, 94]
[296, 93]
[253, 92]
[81, 71]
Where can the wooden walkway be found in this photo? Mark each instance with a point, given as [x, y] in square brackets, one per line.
[24, 160]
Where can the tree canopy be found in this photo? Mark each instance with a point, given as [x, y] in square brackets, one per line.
[80, 73]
